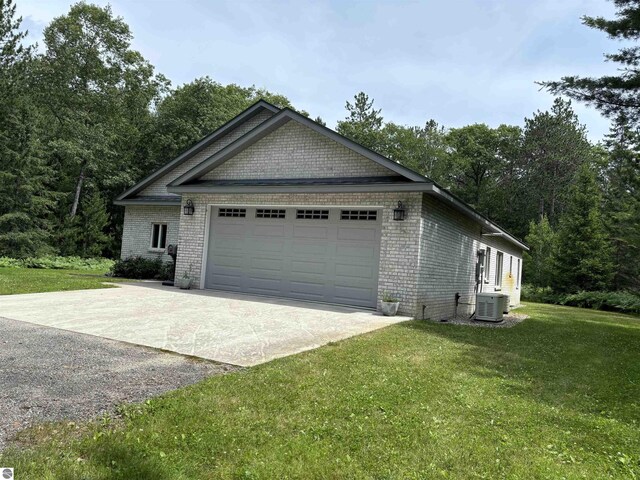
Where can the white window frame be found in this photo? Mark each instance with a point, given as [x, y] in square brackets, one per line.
[487, 265]
[499, 269]
[161, 226]
[518, 274]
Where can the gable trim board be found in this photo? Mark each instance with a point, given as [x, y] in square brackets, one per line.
[235, 122]
[423, 260]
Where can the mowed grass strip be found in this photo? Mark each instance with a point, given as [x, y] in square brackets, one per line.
[15, 280]
[554, 397]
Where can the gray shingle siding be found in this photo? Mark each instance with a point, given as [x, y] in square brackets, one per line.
[448, 249]
[159, 187]
[136, 231]
[296, 151]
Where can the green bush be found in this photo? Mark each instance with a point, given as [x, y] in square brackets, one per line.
[627, 302]
[539, 294]
[50, 263]
[141, 268]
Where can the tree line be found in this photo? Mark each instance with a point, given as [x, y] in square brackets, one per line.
[85, 116]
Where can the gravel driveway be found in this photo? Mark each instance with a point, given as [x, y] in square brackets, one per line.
[48, 374]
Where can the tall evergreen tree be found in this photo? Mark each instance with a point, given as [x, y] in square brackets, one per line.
[26, 199]
[582, 258]
[363, 123]
[613, 95]
[622, 203]
[538, 261]
[423, 149]
[555, 146]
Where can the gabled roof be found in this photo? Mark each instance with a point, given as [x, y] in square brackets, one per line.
[286, 115]
[235, 122]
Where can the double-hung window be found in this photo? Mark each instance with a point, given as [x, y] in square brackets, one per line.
[499, 261]
[518, 275]
[158, 236]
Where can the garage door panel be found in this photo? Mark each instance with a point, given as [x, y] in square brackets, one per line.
[308, 248]
[227, 280]
[352, 292]
[307, 288]
[269, 231]
[357, 234]
[230, 229]
[327, 259]
[303, 231]
[302, 266]
[224, 260]
[266, 264]
[354, 251]
[354, 271]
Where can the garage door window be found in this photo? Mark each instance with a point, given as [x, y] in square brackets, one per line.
[269, 213]
[358, 215]
[158, 236]
[232, 212]
[312, 214]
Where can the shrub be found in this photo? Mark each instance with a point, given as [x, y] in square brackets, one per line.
[539, 294]
[51, 262]
[141, 268]
[627, 302]
[612, 301]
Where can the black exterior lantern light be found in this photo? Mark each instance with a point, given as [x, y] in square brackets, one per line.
[189, 208]
[398, 213]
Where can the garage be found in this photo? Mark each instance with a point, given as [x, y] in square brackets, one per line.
[310, 253]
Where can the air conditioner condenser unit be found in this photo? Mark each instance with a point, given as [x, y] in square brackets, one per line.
[489, 307]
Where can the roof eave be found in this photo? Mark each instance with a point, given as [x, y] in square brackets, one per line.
[153, 203]
[470, 211]
[319, 188]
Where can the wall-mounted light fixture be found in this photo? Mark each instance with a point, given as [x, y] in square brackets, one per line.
[189, 208]
[398, 213]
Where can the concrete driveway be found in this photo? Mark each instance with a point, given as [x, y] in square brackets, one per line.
[237, 329]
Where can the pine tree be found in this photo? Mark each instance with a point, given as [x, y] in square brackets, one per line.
[582, 259]
[26, 198]
[612, 95]
[84, 234]
[538, 266]
[622, 203]
[363, 123]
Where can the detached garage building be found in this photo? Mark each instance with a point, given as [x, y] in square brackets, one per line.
[283, 206]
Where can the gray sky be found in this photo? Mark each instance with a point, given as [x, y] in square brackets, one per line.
[458, 61]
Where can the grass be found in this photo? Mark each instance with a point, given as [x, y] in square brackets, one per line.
[557, 396]
[31, 280]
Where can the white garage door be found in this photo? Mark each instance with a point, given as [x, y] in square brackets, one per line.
[326, 255]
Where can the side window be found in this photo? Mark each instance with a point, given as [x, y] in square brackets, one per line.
[518, 274]
[499, 261]
[510, 265]
[487, 265]
[158, 236]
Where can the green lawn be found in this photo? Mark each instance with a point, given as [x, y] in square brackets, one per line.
[557, 396]
[32, 280]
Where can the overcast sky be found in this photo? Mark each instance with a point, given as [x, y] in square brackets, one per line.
[456, 61]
